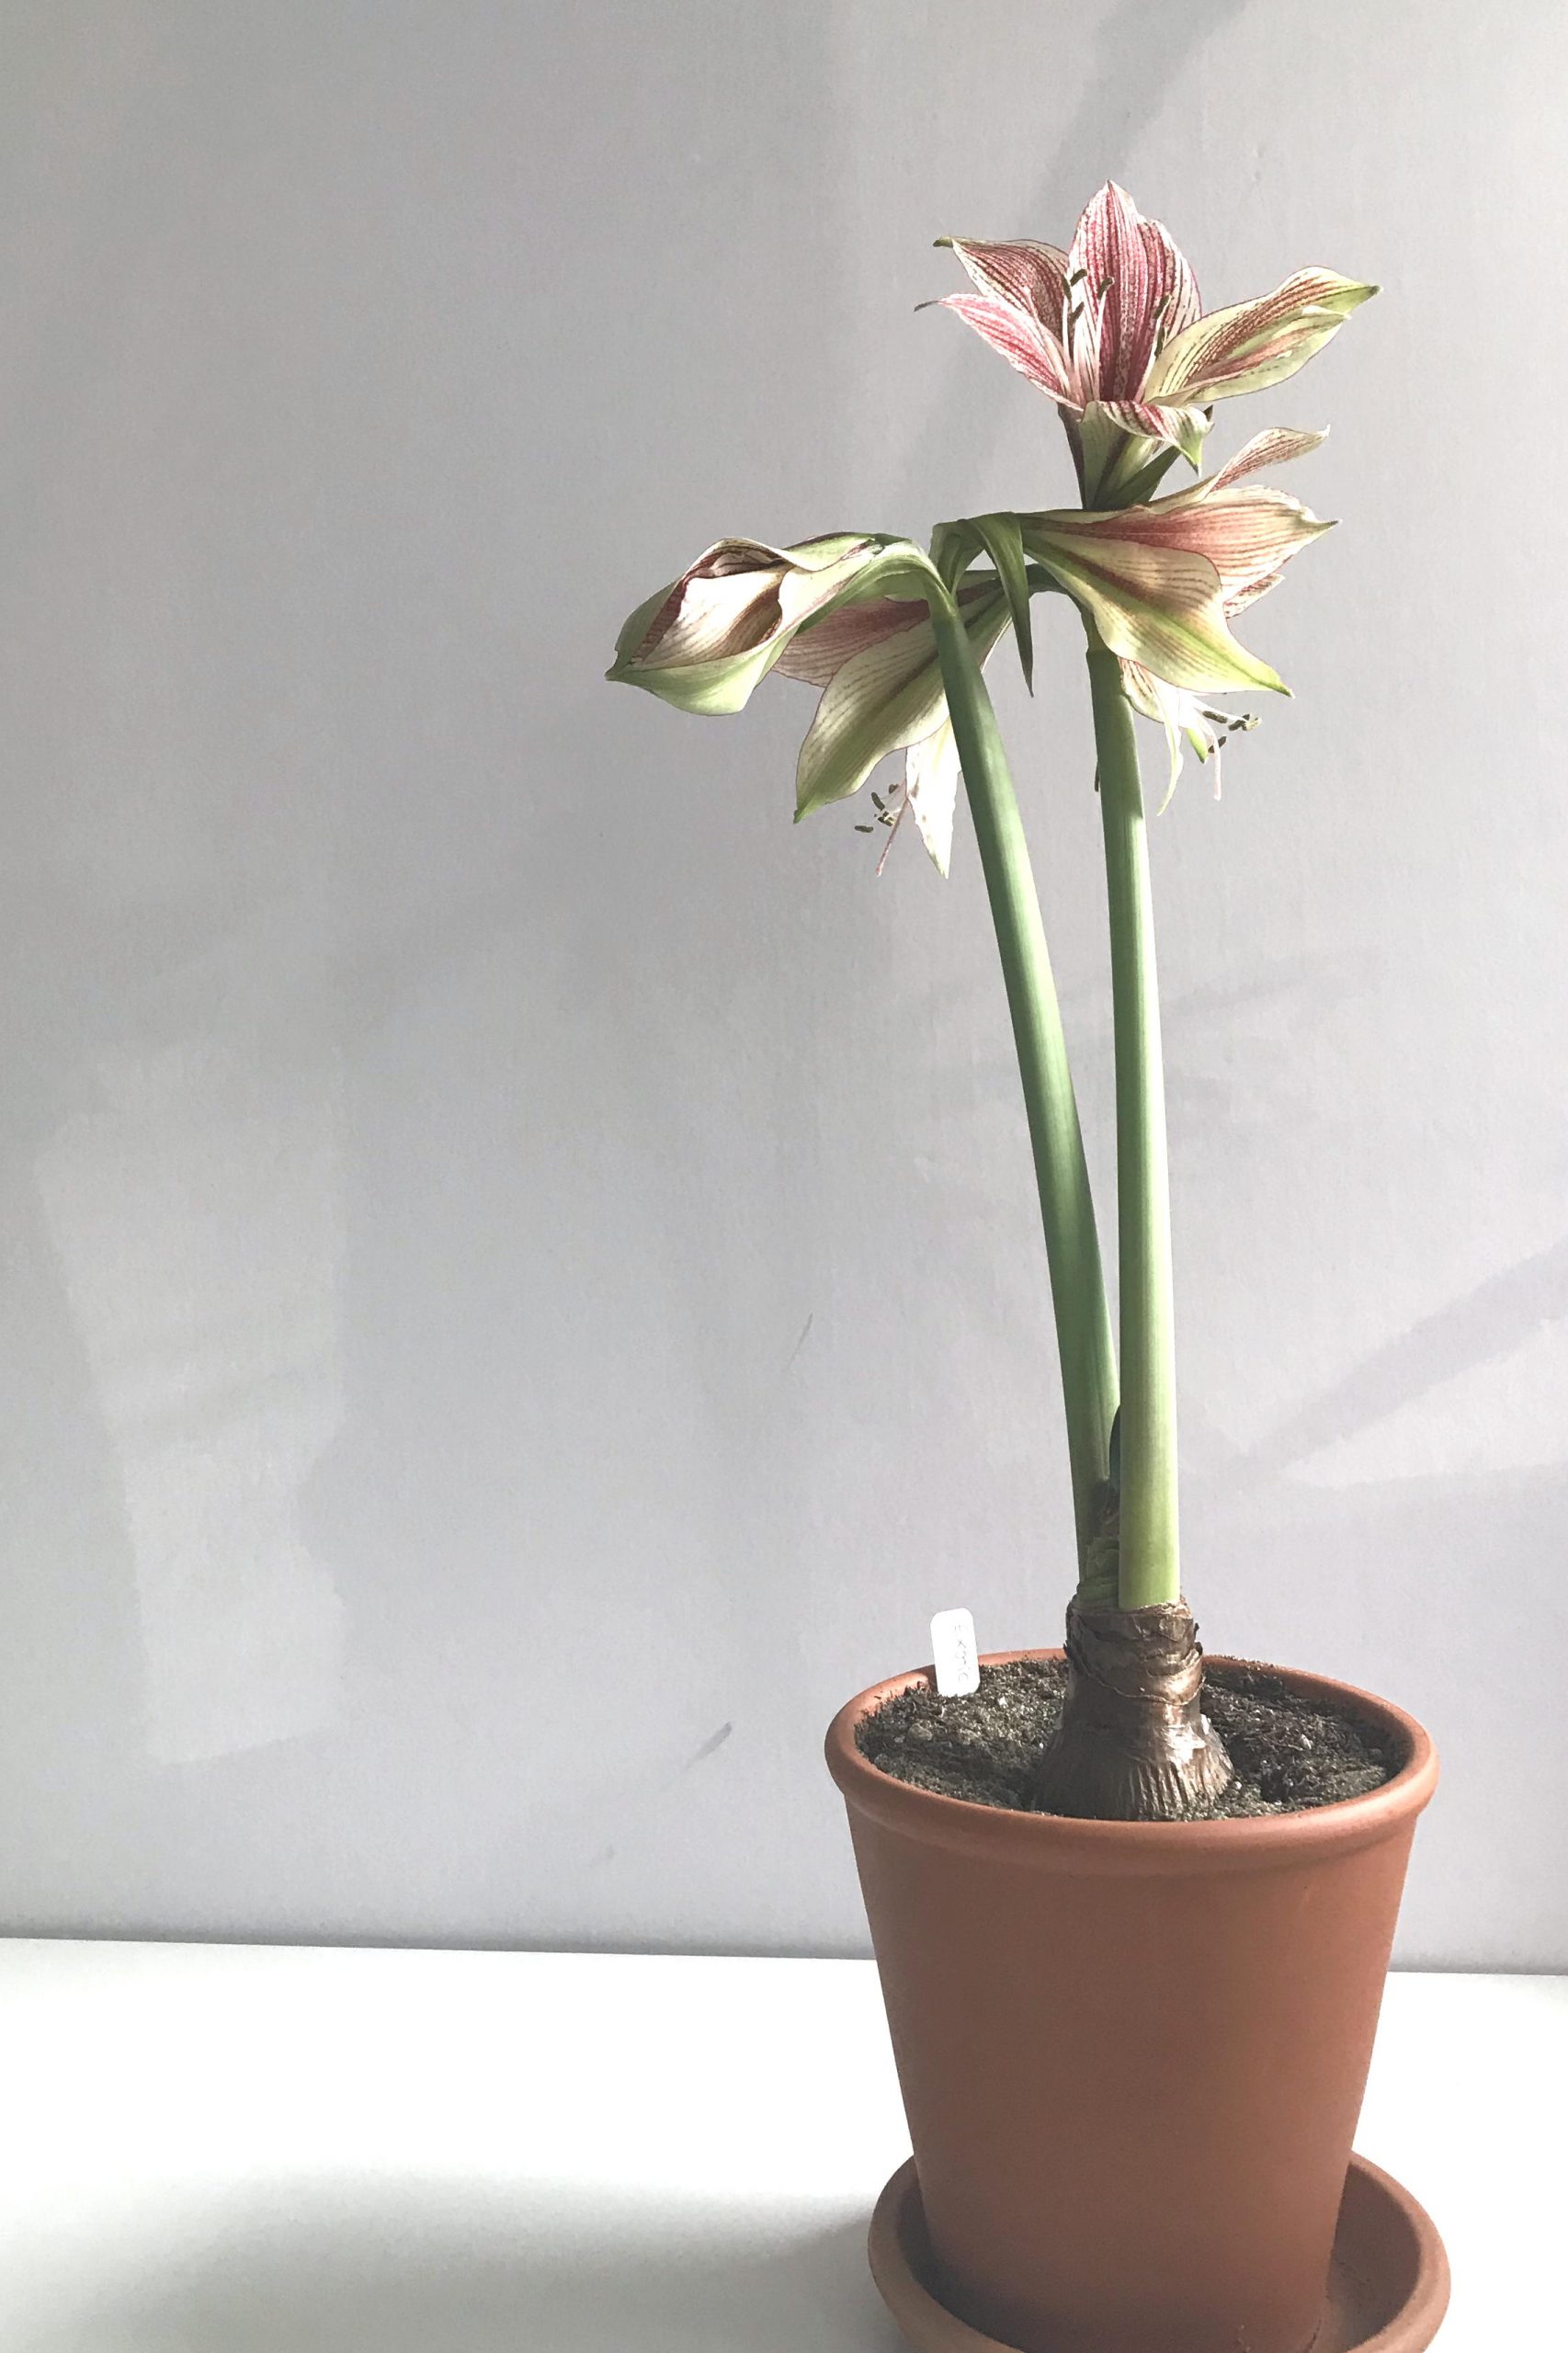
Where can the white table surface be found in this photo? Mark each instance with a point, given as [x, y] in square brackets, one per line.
[228, 2149]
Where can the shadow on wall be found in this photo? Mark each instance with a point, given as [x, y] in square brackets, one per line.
[410, 2271]
[1482, 1326]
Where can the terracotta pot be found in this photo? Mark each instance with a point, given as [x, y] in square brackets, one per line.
[1132, 2054]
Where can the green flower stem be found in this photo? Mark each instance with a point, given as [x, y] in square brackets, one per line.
[1150, 1559]
[1077, 1286]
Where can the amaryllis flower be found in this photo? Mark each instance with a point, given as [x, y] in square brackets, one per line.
[1177, 708]
[1113, 331]
[1161, 580]
[820, 611]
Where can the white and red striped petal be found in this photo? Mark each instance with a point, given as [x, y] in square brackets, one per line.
[1019, 337]
[1130, 273]
[1255, 344]
[1248, 535]
[1169, 265]
[1024, 273]
[1179, 428]
[1139, 416]
[1276, 448]
[820, 650]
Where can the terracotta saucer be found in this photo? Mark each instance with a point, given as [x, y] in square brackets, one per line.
[1387, 2285]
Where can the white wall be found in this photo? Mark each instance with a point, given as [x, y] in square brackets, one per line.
[522, 1287]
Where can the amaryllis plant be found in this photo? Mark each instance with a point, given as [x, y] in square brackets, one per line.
[895, 637]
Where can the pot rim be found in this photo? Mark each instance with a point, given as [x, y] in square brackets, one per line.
[1056, 1842]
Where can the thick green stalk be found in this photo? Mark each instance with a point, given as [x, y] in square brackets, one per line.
[1149, 1560]
[1077, 1285]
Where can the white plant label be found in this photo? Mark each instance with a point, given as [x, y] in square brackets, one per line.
[954, 1654]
